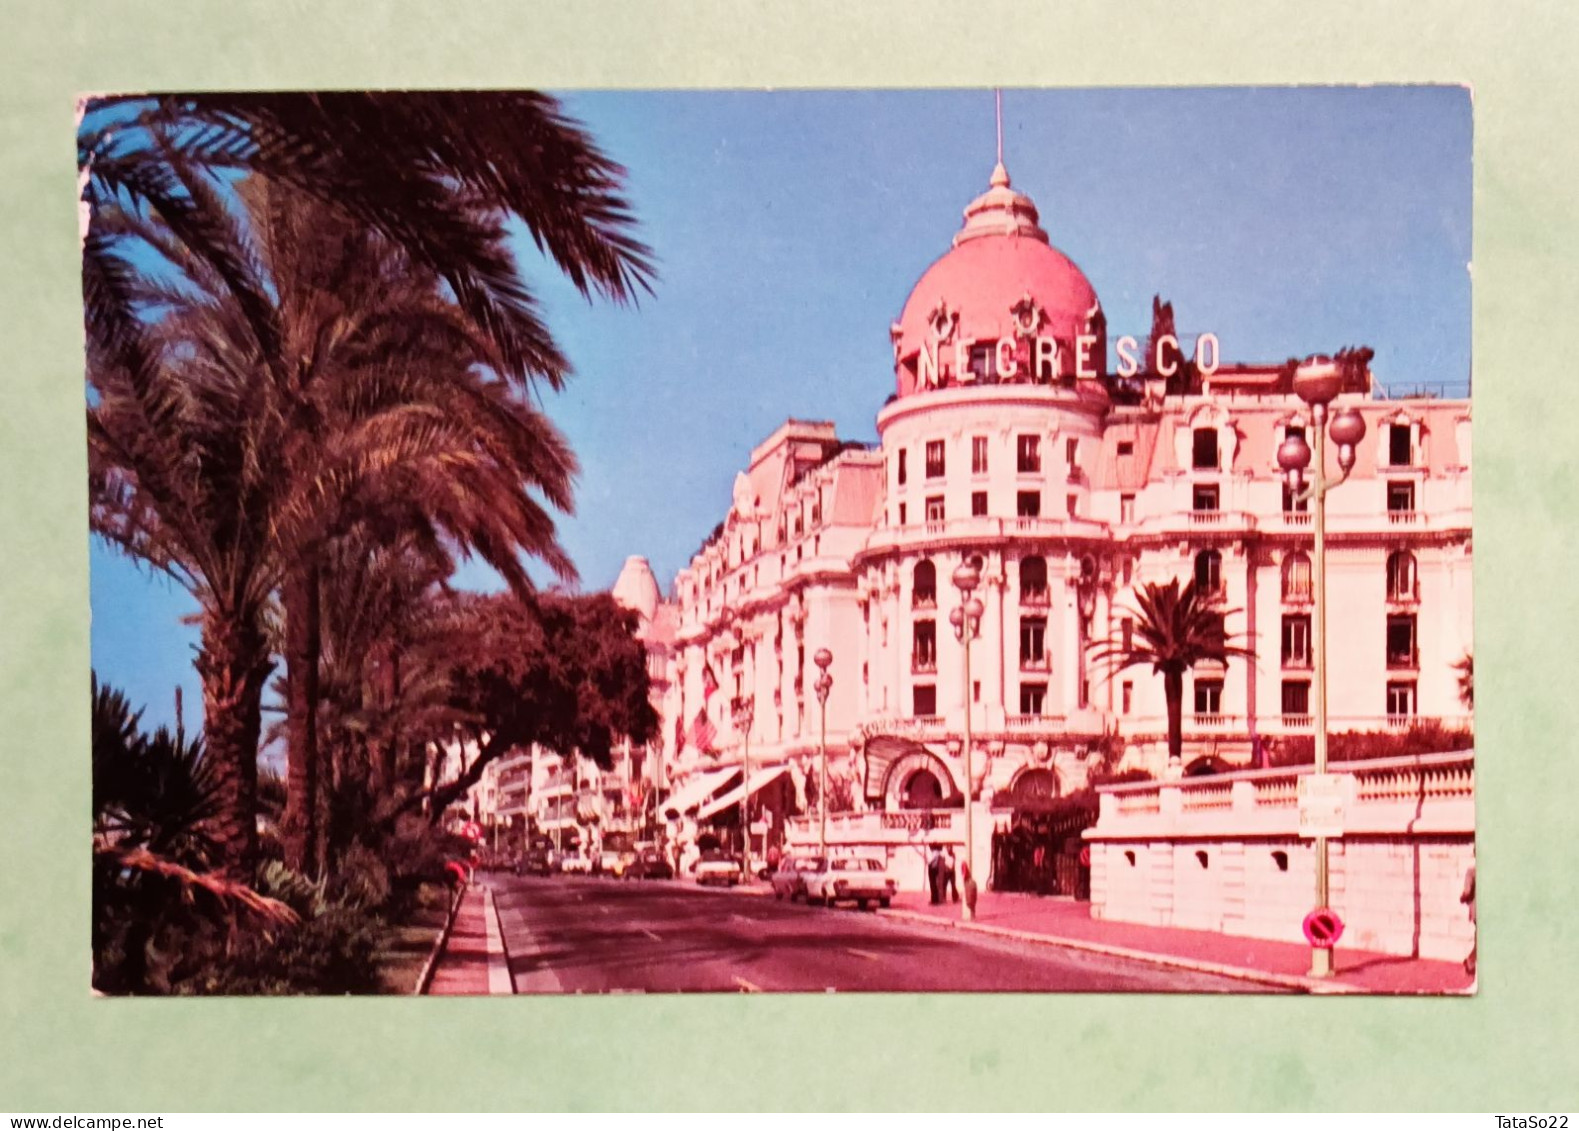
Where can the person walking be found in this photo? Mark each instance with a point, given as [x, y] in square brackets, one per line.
[935, 874]
[1469, 898]
[948, 875]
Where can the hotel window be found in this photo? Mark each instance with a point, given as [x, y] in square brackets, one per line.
[935, 508]
[1126, 448]
[1208, 697]
[1033, 642]
[1204, 449]
[1291, 505]
[901, 514]
[978, 503]
[1071, 451]
[1028, 454]
[1208, 573]
[978, 455]
[1071, 504]
[1296, 577]
[924, 586]
[924, 700]
[982, 362]
[816, 513]
[1033, 696]
[924, 650]
[934, 459]
[1400, 498]
[1028, 504]
[1400, 700]
[1033, 580]
[1127, 633]
[1128, 696]
[1126, 508]
[1401, 644]
[1296, 697]
[1296, 640]
[1400, 445]
[1204, 497]
[799, 526]
[901, 467]
[1401, 577]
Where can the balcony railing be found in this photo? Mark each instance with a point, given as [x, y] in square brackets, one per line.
[924, 665]
[1298, 721]
[1402, 721]
[924, 599]
[1403, 594]
[1296, 518]
[1298, 594]
[1041, 663]
[1208, 518]
[929, 720]
[1035, 597]
[1402, 661]
[1402, 518]
[1296, 662]
[1211, 719]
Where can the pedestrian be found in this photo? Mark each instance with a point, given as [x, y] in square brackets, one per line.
[948, 875]
[970, 891]
[1469, 898]
[935, 874]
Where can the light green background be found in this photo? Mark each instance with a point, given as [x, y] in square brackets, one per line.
[1514, 1047]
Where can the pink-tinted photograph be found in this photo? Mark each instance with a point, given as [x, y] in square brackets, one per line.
[781, 542]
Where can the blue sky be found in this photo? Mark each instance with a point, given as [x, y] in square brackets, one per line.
[790, 226]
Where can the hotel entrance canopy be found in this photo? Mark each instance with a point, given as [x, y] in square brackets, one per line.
[719, 804]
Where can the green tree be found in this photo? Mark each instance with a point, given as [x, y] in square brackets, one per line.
[1174, 629]
[180, 477]
[1465, 668]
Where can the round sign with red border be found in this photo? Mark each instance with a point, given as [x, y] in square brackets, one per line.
[1085, 857]
[1323, 928]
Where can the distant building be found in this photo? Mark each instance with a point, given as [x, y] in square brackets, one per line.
[1012, 440]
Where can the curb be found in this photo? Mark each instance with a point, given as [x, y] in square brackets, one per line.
[499, 978]
[1264, 977]
[425, 979]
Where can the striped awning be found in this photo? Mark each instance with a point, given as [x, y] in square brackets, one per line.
[697, 790]
[758, 780]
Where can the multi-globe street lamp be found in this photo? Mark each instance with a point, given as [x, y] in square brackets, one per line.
[745, 713]
[822, 687]
[1317, 381]
[966, 619]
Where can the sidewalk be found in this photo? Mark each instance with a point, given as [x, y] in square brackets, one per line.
[473, 960]
[1065, 922]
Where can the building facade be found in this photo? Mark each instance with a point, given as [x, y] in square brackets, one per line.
[1071, 468]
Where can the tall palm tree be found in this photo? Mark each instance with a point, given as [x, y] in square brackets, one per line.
[181, 451]
[1175, 629]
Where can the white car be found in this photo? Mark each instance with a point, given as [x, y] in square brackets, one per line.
[861, 880]
[574, 862]
[717, 868]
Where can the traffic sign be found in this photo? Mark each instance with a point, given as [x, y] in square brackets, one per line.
[1323, 800]
[1323, 928]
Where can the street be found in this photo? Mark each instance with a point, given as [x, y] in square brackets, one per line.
[573, 935]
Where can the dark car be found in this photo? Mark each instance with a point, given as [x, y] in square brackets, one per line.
[649, 864]
[534, 862]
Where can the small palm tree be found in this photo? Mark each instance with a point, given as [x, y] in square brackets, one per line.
[1174, 630]
[1466, 679]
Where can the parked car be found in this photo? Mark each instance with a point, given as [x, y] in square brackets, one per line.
[534, 862]
[862, 880]
[609, 862]
[789, 882]
[717, 868]
[648, 864]
[575, 863]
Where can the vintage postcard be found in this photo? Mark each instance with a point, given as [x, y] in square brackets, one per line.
[781, 541]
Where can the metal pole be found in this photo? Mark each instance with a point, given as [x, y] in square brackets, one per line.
[965, 907]
[822, 782]
[1321, 957]
[745, 801]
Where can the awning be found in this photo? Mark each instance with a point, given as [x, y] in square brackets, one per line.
[719, 804]
[696, 791]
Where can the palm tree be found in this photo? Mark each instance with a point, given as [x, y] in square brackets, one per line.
[1465, 668]
[182, 446]
[1175, 629]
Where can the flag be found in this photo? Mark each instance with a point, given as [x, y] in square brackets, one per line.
[709, 682]
[703, 731]
[679, 734]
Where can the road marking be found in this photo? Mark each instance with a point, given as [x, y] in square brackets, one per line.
[499, 980]
[863, 954]
[652, 935]
[747, 987]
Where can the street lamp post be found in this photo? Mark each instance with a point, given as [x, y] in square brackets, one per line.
[1317, 381]
[745, 711]
[823, 685]
[966, 619]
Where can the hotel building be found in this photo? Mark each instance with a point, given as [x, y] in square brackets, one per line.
[1071, 468]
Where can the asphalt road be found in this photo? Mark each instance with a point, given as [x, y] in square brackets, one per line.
[575, 935]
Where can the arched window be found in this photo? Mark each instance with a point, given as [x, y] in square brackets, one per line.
[1296, 577]
[1209, 573]
[924, 588]
[923, 791]
[1401, 576]
[1033, 580]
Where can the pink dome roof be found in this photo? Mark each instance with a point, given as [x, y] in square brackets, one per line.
[1000, 258]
